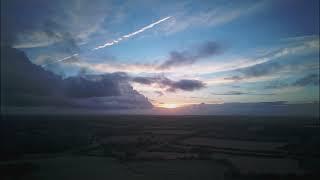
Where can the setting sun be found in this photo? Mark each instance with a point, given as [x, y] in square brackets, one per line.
[169, 106]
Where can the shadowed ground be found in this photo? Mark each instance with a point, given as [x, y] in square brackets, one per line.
[159, 147]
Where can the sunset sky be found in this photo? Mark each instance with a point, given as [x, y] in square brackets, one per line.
[177, 53]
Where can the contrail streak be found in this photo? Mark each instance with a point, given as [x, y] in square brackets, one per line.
[132, 34]
[117, 40]
[63, 59]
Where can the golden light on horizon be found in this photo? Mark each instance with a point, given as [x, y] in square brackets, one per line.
[169, 106]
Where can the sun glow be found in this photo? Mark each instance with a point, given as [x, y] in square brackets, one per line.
[169, 106]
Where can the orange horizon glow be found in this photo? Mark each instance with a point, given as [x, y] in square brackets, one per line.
[168, 105]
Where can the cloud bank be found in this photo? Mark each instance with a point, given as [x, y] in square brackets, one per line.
[24, 84]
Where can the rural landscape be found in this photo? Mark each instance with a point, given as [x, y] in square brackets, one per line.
[159, 90]
[159, 147]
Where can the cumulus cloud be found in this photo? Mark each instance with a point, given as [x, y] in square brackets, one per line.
[26, 84]
[182, 58]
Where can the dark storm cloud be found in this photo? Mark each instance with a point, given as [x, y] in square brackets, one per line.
[79, 87]
[26, 84]
[87, 85]
[170, 85]
[181, 58]
[18, 74]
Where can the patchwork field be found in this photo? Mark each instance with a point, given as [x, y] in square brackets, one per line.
[159, 147]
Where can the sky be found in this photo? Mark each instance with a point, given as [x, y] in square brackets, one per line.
[173, 53]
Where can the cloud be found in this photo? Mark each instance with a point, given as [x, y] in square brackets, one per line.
[146, 27]
[311, 79]
[262, 69]
[34, 24]
[177, 59]
[219, 15]
[307, 80]
[26, 84]
[48, 33]
[144, 80]
[82, 87]
[59, 60]
[131, 34]
[160, 93]
[111, 43]
[242, 93]
[234, 64]
[237, 65]
[276, 108]
[186, 85]
[170, 85]
[182, 58]
[233, 78]
[271, 63]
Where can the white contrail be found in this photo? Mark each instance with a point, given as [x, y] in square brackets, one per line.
[67, 57]
[117, 40]
[63, 59]
[131, 34]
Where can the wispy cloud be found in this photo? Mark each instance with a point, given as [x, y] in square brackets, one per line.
[183, 58]
[170, 85]
[113, 42]
[307, 80]
[214, 17]
[233, 64]
[236, 93]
